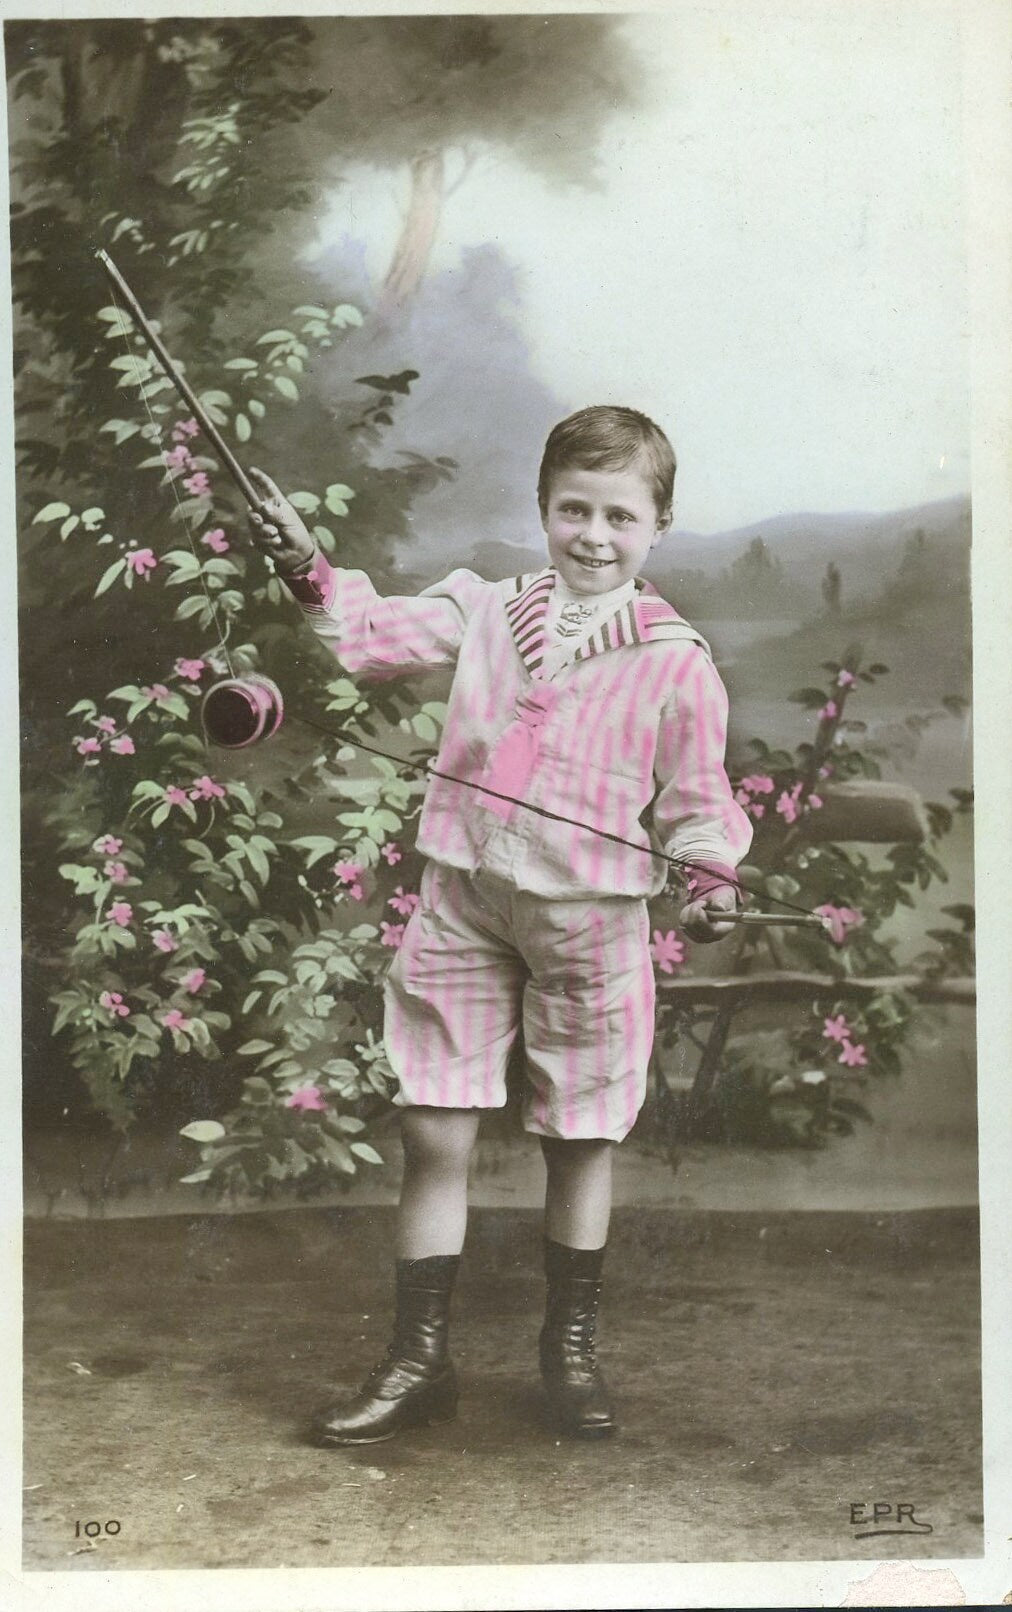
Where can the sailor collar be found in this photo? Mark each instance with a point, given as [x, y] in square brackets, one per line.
[646, 618]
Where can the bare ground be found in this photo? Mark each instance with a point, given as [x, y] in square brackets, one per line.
[771, 1370]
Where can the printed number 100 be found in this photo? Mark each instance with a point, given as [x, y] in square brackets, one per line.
[91, 1530]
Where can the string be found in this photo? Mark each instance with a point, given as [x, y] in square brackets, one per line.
[222, 643]
[680, 864]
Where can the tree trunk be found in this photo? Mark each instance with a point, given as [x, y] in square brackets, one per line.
[411, 258]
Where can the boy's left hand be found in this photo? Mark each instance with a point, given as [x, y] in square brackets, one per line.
[701, 920]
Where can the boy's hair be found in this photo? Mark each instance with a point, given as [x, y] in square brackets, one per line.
[607, 437]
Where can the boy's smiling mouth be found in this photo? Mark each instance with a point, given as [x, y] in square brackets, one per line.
[590, 562]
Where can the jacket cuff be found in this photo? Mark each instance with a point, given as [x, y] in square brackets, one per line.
[313, 584]
[704, 877]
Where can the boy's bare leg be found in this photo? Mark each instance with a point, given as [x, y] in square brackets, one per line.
[578, 1194]
[432, 1217]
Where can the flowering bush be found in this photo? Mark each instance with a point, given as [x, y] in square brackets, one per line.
[801, 1081]
[209, 922]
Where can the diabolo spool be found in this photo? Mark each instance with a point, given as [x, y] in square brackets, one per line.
[239, 711]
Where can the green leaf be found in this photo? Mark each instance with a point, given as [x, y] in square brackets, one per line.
[71, 524]
[109, 576]
[251, 1048]
[362, 1150]
[203, 1130]
[241, 363]
[256, 408]
[51, 512]
[345, 314]
[287, 387]
[337, 1153]
[243, 429]
[307, 311]
[275, 336]
[84, 879]
[307, 502]
[317, 846]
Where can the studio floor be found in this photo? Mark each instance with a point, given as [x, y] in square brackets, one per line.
[772, 1370]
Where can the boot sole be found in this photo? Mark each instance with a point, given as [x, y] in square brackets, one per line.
[421, 1416]
[433, 1420]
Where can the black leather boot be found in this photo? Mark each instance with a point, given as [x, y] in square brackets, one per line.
[415, 1382]
[577, 1395]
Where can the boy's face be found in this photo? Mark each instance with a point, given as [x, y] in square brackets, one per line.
[601, 525]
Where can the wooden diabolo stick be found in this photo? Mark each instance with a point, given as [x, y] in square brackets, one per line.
[214, 436]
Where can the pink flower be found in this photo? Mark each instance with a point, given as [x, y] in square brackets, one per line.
[176, 796]
[828, 711]
[757, 809]
[87, 747]
[117, 872]
[141, 561]
[836, 1029]
[403, 901]
[814, 802]
[194, 980]
[185, 428]
[197, 484]
[787, 806]
[391, 935]
[391, 853]
[189, 668]
[174, 1020]
[347, 872]
[206, 789]
[306, 1097]
[846, 679]
[667, 951]
[179, 458]
[825, 772]
[840, 920]
[121, 913]
[165, 941]
[108, 845]
[853, 1057]
[106, 724]
[123, 746]
[758, 784]
[157, 691]
[113, 1003]
[356, 892]
[215, 540]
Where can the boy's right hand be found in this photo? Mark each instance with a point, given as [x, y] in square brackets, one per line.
[277, 528]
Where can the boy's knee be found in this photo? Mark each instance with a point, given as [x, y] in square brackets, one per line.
[574, 1152]
[434, 1137]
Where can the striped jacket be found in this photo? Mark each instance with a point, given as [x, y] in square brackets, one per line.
[633, 728]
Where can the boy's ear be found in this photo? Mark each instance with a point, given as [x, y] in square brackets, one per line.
[663, 523]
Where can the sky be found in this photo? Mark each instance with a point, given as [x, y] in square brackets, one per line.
[773, 266]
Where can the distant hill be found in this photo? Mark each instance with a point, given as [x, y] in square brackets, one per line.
[705, 575]
[867, 549]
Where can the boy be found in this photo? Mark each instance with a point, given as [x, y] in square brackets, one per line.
[577, 690]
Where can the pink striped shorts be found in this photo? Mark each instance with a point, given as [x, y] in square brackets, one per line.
[479, 959]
